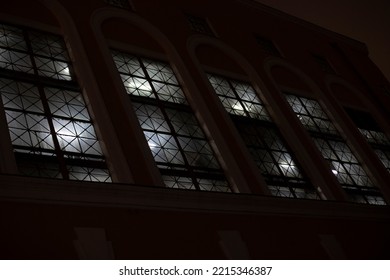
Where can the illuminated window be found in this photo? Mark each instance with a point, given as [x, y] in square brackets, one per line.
[342, 162]
[176, 141]
[373, 134]
[49, 125]
[262, 138]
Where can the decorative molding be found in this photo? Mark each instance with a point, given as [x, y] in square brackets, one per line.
[89, 194]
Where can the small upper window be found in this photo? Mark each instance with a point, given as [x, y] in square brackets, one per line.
[324, 64]
[199, 24]
[123, 4]
[267, 45]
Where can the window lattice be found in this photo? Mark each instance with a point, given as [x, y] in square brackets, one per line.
[262, 139]
[199, 24]
[49, 125]
[175, 139]
[343, 163]
[371, 131]
[33, 53]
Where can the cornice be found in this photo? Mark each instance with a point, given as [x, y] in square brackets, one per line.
[89, 194]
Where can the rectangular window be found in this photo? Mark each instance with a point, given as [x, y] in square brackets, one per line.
[335, 150]
[50, 127]
[177, 142]
[263, 140]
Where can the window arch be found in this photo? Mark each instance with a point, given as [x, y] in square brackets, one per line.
[49, 125]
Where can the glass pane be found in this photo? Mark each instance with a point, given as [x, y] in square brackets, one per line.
[88, 174]
[16, 61]
[137, 86]
[160, 72]
[169, 93]
[65, 103]
[20, 96]
[384, 156]
[213, 185]
[221, 86]
[52, 68]
[128, 64]
[184, 123]
[198, 152]
[12, 37]
[178, 182]
[29, 130]
[47, 45]
[164, 148]
[151, 118]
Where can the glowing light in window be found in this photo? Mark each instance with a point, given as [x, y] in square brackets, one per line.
[65, 71]
[152, 145]
[285, 165]
[335, 172]
[237, 107]
[139, 86]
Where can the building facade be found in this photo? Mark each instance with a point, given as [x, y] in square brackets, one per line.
[186, 130]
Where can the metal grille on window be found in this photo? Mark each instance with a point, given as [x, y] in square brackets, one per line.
[369, 128]
[199, 24]
[178, 144]
[281, 171]
[50, 128]
[341, 159]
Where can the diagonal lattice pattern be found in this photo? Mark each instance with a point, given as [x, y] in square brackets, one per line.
[311, 115]
[66, 104]
[177, 143]
[238, 98]
[343, 164]
[264, 143]
[148, 78]
[15, 61]
[384, 156]
[50, 127]
[33, 53]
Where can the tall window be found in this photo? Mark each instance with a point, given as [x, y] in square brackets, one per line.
[262, 138]
[373, 134]
[335, 150]
[49, 125]
[179, 147]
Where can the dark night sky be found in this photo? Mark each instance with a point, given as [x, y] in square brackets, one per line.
[367, 21]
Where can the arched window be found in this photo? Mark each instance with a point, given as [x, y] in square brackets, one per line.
[335, 150]
[262, 138]
[178, 144]
[50, 128]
